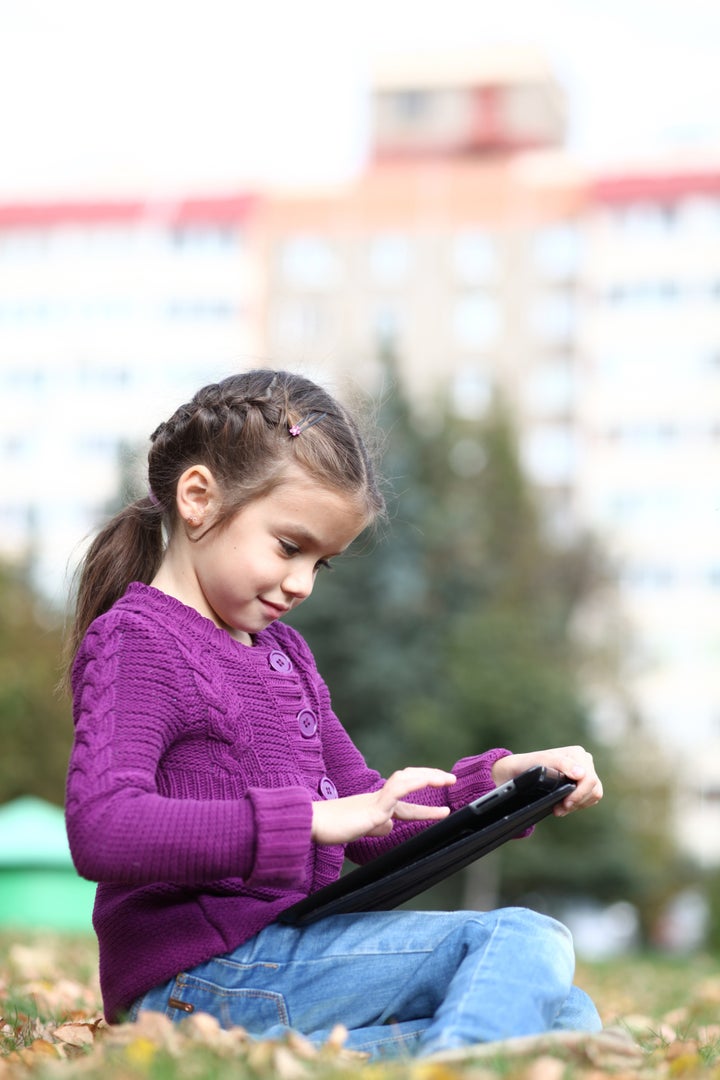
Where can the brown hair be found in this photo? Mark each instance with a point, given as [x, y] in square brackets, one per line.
[240, 429]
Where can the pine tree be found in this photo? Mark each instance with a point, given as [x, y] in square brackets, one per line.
[454, 632]
[35, 718]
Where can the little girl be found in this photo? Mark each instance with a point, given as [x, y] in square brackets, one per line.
[211, 785]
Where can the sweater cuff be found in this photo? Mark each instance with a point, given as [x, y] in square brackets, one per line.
[474, 777]
[283, 821]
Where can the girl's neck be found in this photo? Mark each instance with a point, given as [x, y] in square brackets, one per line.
[181, 587]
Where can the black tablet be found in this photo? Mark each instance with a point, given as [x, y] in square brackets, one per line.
[439, 850]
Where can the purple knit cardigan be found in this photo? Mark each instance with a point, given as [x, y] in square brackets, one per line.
[195, 763]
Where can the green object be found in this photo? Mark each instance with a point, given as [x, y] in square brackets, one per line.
[39, 886]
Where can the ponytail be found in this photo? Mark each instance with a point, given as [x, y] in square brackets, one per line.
[129, 548]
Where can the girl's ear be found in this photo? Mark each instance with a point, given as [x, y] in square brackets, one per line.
[196, 495]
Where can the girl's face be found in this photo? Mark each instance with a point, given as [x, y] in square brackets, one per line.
[264, 561]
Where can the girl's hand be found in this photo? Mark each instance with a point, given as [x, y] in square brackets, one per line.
[575, 762]
[338, 821]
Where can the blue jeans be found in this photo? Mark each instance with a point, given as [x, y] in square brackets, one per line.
[400, 981]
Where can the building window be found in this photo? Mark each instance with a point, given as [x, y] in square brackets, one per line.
[16, 522]
[549, 454]
[17, 448]
[474, 258]
[651, 296]
[389, 258]
[387, 326]
[97, 447]
[205, 239]
[410, 104]
[471, 392]
[645, 221]
[299, 323]
[553, 317]
[649, 438]
[647, 576]
[556, 252]
[701, 214]
[475, 321]
[309, 262]
[94, 377]
[191, 310]
[24, 379]
[18, 244]
[552, 388]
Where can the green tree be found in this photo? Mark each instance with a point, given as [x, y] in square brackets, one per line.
[369, 622]
[35, 717]
[455, 631]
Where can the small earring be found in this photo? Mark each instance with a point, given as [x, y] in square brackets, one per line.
[192, 521]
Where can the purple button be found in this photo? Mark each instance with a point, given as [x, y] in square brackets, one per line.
[327, 789]
[308, 723]
[280, 662]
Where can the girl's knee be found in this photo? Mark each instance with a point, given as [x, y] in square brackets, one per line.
[536, 922]
[541, 942]
[540, 933]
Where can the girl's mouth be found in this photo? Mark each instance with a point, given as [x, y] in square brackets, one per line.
[276, 610]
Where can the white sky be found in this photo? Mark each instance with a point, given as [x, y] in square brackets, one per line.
[152, 96]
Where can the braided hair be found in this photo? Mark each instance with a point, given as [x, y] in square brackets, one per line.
[247, 430]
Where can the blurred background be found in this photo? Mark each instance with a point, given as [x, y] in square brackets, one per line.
[497, 226]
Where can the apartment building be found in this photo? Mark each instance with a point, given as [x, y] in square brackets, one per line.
[474, 245]
[460, 245]
[109, 314]
[648, 410]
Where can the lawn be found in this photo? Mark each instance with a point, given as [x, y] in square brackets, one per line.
[662, 1018]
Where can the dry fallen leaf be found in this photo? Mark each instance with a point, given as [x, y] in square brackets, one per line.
[677, 1018]
[545, 1068]
[46, 1048]
[75, 1034]
[153, 1027]
[289, 1066]
[141, 1051]
[608, 1049]
[685, 1063]
[337, 1037]
[430, 1070]
[680, 1048]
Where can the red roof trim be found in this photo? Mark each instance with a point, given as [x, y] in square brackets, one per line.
[213, 210]
[655, 187]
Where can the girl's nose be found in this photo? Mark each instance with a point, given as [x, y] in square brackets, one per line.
[299, 582]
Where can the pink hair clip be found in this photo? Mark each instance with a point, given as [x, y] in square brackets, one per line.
[303, 425]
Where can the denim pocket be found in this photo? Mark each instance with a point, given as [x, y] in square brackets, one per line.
[248, 1007]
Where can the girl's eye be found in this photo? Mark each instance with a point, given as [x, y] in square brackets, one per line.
[289, 549]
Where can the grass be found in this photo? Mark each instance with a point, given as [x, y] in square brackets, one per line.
[666, 1010]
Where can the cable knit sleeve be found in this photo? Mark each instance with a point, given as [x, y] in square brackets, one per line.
[474, 777]
[130, 706]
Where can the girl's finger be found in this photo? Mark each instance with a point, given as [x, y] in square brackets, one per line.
[416, 812]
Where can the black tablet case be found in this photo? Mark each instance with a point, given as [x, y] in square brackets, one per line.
[439, 850]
